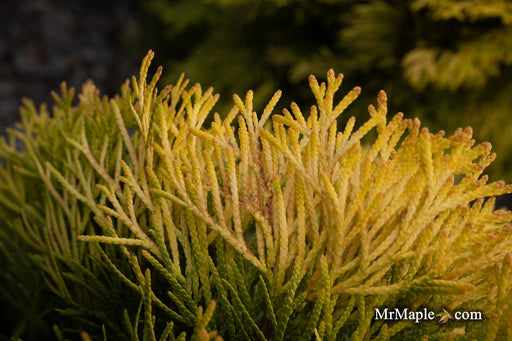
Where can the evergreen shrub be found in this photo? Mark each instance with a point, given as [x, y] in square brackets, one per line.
[129, 218]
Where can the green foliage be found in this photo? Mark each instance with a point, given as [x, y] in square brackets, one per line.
[448, 62]
[144, 224]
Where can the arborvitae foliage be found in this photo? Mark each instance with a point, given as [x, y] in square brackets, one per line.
[143, 223]
[447, 61]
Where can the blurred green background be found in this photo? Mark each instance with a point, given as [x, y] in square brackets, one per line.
[447, 62]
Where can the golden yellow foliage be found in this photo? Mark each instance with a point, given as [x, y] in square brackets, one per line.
[298, 229]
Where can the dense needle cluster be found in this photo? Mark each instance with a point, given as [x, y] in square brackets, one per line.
[150, 224]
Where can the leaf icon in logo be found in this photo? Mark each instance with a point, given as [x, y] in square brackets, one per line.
[444, 316]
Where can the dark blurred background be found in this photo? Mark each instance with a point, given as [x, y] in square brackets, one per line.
[447, 62]
[45, 42]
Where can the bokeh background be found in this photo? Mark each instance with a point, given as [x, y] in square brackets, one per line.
[448, 62]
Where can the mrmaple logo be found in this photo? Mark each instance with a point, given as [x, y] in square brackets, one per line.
[399, 314]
